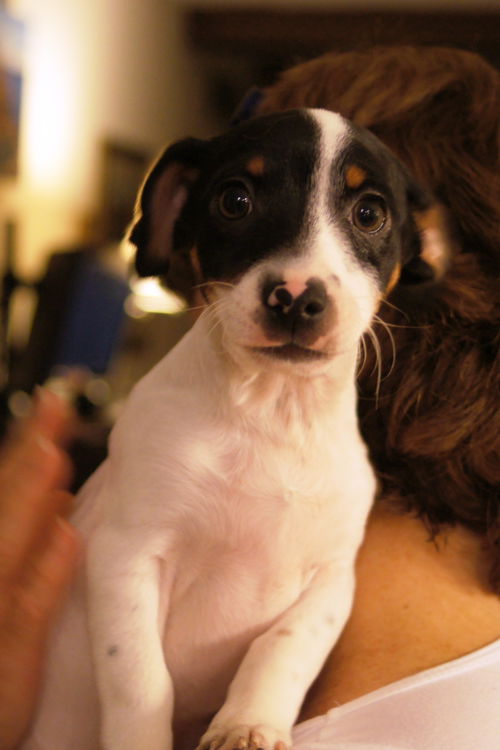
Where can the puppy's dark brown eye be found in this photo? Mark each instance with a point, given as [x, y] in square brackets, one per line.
[235, 202]
[369, 214]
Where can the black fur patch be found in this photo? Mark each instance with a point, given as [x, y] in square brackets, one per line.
[384, 180]
[287, 143]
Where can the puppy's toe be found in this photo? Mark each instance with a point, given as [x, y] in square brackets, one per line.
[244, 737]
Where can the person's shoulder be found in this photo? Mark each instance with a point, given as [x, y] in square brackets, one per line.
[448, 706]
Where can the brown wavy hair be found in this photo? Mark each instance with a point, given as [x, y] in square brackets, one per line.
[433, 421]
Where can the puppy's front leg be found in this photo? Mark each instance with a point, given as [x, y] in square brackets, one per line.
[134, 685]
[266, 694]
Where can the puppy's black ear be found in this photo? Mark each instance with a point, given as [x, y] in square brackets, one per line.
[429, 246]
[160, 203]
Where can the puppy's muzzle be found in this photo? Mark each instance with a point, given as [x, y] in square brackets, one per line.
[296, 317]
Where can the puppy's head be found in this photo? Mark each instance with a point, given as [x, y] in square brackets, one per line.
[296, 225]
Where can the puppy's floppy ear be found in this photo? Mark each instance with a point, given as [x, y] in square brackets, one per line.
[430, 245]
[160, 203]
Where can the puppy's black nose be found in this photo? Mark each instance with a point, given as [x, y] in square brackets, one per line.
[303, 316]
[309, 304]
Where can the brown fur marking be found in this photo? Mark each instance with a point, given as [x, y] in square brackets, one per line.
[355, 176]
[256, 166]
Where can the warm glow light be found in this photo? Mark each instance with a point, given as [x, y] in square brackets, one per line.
[50, 111]
[148, 296]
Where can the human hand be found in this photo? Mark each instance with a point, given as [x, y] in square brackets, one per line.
[38, 554]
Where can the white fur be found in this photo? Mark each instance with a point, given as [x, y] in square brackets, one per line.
[222, 529]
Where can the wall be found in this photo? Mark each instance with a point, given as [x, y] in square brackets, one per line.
[94, 69]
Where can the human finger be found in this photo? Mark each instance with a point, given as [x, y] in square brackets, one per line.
[42, 585]
[50, 416]
[21, 548]
[23, 631]
[27, 480]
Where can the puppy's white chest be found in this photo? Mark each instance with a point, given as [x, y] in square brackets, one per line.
[231, 586]
[245, 558]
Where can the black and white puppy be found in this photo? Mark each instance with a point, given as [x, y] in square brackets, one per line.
[223, 528]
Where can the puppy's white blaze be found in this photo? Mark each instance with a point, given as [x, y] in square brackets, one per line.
[334, 132]
[331, 245]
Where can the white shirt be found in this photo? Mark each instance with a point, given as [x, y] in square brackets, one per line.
[455, 706]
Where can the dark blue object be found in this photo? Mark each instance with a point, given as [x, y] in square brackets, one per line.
[93, 319]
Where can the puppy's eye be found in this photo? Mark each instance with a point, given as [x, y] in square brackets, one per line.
[235, 202]
[369, 214]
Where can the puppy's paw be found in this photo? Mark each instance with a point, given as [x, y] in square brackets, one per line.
[244, 737]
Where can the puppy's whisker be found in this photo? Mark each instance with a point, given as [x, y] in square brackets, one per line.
[205, 287]
[362, 356]
[194, 308]
[206, 310]
[396, 325]
[217, 324]
[204, 284]
[387, 329]
[212, 311]
[377, 367]
[214, 305]
[397, 309]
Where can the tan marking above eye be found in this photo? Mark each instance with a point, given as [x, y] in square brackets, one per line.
[355, 176]
[256, 166]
